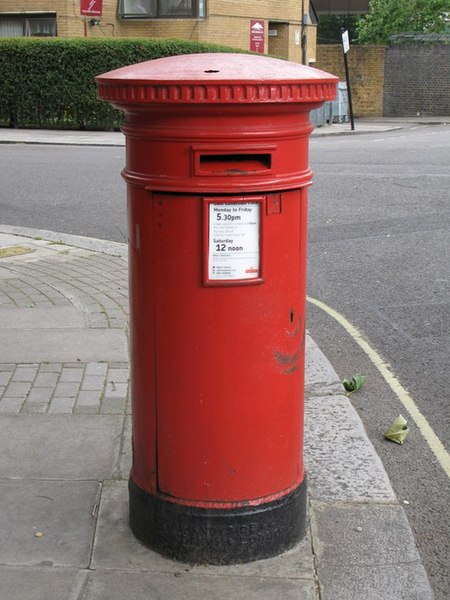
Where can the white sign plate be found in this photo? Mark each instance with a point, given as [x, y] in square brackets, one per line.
[233, 249]
[345, 42]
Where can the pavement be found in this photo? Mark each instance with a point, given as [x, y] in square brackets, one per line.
[65, 451]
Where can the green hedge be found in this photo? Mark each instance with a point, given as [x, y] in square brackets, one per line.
[50, 83]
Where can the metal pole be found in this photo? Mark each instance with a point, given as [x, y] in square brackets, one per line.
[349, 89]
[303, 40]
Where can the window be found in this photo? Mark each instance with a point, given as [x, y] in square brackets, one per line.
[161, 9]
[36, 25]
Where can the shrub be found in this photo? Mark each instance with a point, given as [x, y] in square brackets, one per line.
[50, 83]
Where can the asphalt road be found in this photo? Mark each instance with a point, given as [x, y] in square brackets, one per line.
[379, 254]
[69, 189]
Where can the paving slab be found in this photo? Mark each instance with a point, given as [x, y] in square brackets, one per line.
[119, 585]
[65, 345]
[115, 547]
[59, 446]
[361, 535]
[59, 317]
[39, 584]
[385, 582]
[47, 523]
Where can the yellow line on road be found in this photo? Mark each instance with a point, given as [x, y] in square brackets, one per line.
[402, 394]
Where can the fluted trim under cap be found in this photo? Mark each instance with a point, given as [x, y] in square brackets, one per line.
[216, 78]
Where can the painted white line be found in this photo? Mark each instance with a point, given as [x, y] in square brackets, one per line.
[402, 394]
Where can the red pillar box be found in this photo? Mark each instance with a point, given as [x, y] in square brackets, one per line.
[217, 172]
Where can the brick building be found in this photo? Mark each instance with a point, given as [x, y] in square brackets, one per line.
[341, 7]
[269, 26]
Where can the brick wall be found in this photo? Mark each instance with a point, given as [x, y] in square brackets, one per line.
[17, 6]
[401, 80]
[417, 80]
[279, 43]
[366, 67]
[257, 9]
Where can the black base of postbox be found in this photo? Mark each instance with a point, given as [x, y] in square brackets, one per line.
[218, 536]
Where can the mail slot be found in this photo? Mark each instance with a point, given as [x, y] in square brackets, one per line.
[233, 164]
[217, 172]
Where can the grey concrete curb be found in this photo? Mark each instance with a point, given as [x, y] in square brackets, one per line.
[61, 137]
[339, 130]
[87, 243]
[116, 138]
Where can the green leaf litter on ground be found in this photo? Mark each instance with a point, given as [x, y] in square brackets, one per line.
[354, 384]
[398, 431]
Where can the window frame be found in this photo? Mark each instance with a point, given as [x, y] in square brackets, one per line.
[194, 14]
[28, 17]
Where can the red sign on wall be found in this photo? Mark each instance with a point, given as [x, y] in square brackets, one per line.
[91, 8]
[257, 35]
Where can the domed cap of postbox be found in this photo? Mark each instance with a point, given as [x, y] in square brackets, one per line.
[216, 78]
